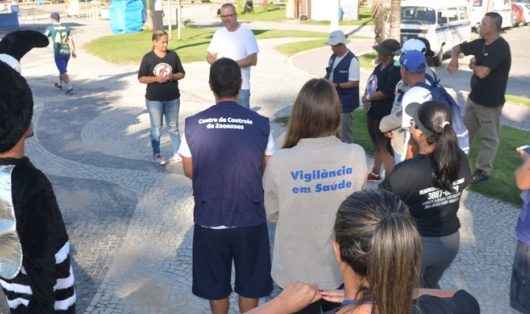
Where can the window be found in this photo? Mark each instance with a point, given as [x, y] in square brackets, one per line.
[477, 3]
[463, 15]
[417, 15]
[452, 15]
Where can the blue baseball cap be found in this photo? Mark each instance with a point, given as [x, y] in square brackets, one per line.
[413, 61]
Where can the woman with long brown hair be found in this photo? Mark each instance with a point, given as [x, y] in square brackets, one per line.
[304, 182]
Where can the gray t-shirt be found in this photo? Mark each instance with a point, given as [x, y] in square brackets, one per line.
[305, 185]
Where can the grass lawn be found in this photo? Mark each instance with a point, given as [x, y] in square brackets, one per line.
[296, 47]
[129, 48]
[518, 100]
[271, 13]
[367, 60]
[501, 184]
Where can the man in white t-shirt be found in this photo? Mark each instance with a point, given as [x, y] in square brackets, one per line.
[344, 72]
[236, 42]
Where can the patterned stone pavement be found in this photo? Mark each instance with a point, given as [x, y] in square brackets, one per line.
[130, 221]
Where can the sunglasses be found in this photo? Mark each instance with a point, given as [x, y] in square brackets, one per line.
[227, 15]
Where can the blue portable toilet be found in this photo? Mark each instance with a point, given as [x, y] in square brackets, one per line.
[126, 16]
[9, 20]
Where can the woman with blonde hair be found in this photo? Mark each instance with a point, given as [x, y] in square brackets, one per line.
[304, 183]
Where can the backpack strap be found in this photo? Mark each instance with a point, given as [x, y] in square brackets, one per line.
[424, 85]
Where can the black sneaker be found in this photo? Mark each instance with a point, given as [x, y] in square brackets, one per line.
[58, 86]
[479, 176]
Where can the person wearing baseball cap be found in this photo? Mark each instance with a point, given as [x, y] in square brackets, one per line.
[343, 71]
[413, 67]
[390, 126]
[419, 44]
[378, 99]
[435, 179]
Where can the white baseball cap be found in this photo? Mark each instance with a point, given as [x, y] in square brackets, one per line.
[336, 37]
[414, 44]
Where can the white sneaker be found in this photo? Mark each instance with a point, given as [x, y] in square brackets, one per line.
[175, 159]
[159, 159]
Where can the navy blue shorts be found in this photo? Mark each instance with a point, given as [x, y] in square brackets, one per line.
[61, 61]
[215, 250]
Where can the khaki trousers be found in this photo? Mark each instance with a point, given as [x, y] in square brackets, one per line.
[483, 123]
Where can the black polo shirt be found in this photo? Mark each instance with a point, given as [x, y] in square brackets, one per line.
[489, 91]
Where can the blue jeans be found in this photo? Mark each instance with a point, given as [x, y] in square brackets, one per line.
[244, 98]
[170, 110]
[520, 282]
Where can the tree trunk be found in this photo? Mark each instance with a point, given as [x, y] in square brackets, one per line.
[149, 8]
[378, 14]
[395, 19]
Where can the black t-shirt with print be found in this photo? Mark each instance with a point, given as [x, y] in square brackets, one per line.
[433, 209]
[386, 80]
[489, 91]
[461, 303]
[152, 65]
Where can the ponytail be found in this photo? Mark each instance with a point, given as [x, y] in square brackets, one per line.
[394, 261]
[445, 158]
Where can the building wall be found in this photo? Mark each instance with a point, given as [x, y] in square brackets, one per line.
[323, 10]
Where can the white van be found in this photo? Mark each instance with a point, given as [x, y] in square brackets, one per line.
[480, 7]
[444, 23]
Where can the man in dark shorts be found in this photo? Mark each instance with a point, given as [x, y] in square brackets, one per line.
[63, 47]
[224, 151]
[491, 66]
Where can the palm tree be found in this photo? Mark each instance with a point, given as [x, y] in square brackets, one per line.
[395, 19]
[149, 8]
[378, 14]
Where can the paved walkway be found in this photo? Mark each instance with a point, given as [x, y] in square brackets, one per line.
[130, 221]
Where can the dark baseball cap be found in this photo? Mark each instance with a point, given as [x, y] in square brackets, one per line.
[388, 47]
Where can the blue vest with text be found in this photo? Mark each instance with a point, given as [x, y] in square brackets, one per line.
[227, 144]
[349, 97]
